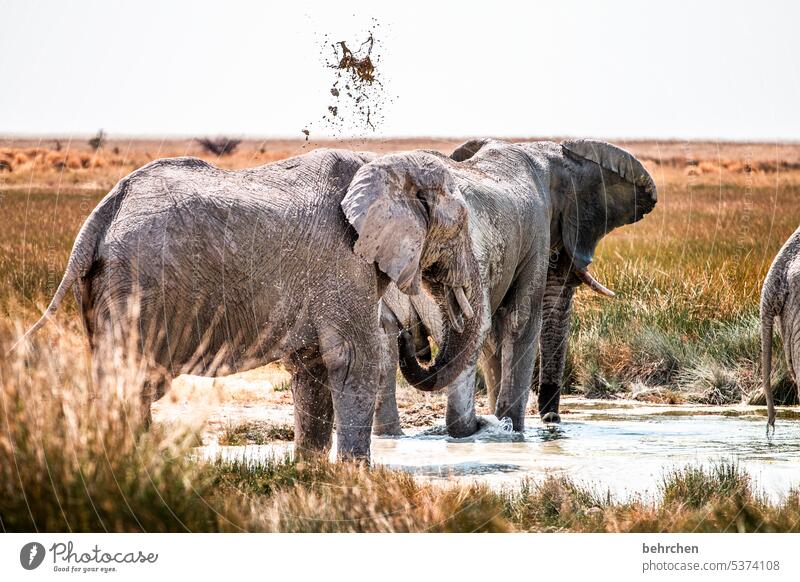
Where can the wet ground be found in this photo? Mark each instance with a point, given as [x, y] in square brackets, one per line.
[622, 446]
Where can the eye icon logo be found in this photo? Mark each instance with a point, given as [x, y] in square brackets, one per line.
[31, 555]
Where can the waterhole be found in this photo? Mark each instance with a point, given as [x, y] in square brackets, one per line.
[625, 448]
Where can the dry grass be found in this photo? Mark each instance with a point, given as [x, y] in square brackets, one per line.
[73, 457]
[683, 328]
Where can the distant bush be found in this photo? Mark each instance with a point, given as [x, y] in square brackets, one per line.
[222, 146]
[98, 140]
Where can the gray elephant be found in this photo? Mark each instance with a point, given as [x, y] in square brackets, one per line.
[780, 298]
[537, 213]
[208, 271]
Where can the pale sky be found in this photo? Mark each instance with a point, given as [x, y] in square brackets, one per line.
[622, 69]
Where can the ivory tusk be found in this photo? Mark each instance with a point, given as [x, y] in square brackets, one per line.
[594, 284]
[455, 320]
[463, 303]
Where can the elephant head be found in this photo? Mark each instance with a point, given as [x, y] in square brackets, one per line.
[412, 222]
[598, 187]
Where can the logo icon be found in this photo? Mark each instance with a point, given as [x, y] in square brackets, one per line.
[31, 555]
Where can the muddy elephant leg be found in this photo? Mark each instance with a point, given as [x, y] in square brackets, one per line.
[353, 376]
[519, 325]
[460, 417]
[313, 406]
[387, 417]
[490, 364]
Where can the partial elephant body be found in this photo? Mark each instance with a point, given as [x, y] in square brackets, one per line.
[780, 298]
[537, 212]
[207, 271]
[225, 266]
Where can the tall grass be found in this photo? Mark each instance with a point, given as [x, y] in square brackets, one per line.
[688, 278]
[75, 457]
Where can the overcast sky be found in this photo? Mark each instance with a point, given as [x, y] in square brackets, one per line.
[726, 70]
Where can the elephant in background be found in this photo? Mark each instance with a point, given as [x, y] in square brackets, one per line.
[780, 298]
[207, 271]
[537, 212]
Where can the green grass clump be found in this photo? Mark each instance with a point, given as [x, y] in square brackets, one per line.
[697, 487]
[255, 433]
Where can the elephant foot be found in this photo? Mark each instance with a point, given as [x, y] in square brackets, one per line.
[387, 430]
[463, 428]
[549, 397]
[551, 418]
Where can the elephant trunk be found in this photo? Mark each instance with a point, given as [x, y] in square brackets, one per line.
[462, 317]
[767, 320]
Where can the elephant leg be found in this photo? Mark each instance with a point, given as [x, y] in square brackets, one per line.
[490, 364]
[387, 417]
[153, 389]
[518, 358]
[460, 417]
[107, 371]
[313, 406]
[519, 325]
[555, 335]
[353, 376]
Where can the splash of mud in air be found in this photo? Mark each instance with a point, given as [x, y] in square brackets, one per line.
[360, 67]
[357, 92]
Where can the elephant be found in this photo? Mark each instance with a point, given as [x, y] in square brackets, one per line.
[208, 271]
[538, 211]
[780, 298]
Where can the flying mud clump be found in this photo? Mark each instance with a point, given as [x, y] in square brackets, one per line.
[357, 92]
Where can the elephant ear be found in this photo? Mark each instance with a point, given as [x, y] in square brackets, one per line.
[391, 202]
[608, 188]
[469, 148]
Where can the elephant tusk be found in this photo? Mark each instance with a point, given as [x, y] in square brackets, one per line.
[594, 284]
[455, 320]
[463, 303]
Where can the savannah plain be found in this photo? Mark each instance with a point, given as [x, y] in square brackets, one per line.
[682, 329]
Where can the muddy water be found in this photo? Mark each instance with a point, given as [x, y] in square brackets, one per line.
[623, 447]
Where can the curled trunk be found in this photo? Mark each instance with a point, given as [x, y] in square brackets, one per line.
[460, 335]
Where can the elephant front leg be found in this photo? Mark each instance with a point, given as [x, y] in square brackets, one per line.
[387, 417]
[460, 417]
[519, 327]
[353, 376]
[313, 406]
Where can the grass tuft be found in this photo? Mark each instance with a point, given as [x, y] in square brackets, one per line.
[255, 433]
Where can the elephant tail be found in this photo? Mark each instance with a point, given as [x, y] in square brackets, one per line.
[81, 258]
[767, 321]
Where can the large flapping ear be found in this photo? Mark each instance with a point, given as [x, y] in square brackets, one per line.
[390, 202]
[609, 188]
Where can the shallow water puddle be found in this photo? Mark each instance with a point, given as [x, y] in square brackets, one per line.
[626, 449]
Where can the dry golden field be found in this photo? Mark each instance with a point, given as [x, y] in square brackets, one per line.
[683, 328]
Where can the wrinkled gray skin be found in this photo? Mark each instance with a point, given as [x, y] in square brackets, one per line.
[780, 298]
[537, 212]
[208, 271]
